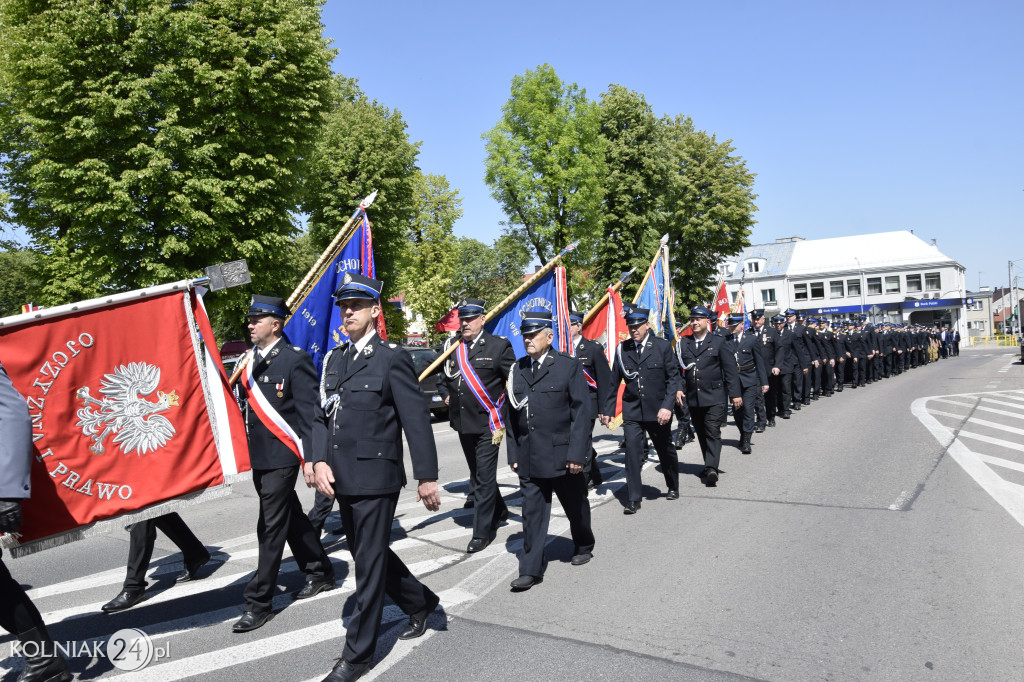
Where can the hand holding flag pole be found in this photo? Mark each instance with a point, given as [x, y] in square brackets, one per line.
[501, 306]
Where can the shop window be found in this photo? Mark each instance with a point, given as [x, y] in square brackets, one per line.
[874, 286]
[932, 281]
[913, 284]
[799, 292]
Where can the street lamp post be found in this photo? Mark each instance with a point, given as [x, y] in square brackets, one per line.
[861, 269]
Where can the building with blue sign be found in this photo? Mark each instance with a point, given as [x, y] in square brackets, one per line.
[888, 276]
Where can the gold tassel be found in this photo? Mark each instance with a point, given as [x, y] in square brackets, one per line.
[497, 435]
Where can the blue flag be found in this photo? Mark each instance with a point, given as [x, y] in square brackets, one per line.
[547, 293]
[652, 297]
[316, 324]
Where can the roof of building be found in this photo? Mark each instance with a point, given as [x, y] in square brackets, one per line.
[777, 255]
[874, 251]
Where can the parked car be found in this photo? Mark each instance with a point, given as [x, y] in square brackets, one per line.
[421, 359]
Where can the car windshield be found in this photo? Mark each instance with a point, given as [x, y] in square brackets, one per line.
[421, 359]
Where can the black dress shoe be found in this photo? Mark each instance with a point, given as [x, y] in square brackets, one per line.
[631, 508]
[468, 504]
[191, 569]
[786, 415]
[806, 402]
[125, 600]
[672, 495]
[251, 620]
[771, 423]
[525, 582]
[347, 672]
[581, 558]
[796, 406]
[314, 587]
[759, 428]
[418, 621]
[477, 544]
[502, 518]
[712, 477]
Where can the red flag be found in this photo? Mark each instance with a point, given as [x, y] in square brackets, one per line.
[722, 307]
[127, 409]
[449, 322]
[608, 327]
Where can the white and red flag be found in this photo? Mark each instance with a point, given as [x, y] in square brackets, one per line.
[130, 407]
[608, 327]
[722, 306]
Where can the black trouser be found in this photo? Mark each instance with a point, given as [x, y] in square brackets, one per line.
[322, 506]
[784, 396]
[708, 421]
[633, 434]
[840, 373]
[770, 400]
[571, 490]
[17, 612]
[808, 385]
[143, 537]
[860, 369]
[798, 386]
[281, 520]
[816, 378]
[760, 408]
[594, 474]
[828, 376]
[367, 520]
[682, 413]
[488, 504]
[746, 415]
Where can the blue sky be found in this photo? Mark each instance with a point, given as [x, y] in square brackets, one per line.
[856, 117]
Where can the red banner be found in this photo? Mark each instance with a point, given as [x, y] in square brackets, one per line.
[120, 417]
[608, 327]
[722, 307]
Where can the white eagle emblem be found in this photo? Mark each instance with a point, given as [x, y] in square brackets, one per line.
[123, 412]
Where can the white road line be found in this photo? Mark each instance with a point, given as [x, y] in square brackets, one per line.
[900, 501]
[1001, 402]
[940, 413]
[995, 425]
[1008, 495]
[1007, 413]
[1005, 463]
[992, 441]
[1011, 396]
[961, 403]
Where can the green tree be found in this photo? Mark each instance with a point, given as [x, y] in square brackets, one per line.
[639, 169]
[710, 202]
[142, 142]
[545, 166]
[364, 146]
[489, 272]
[427, 278]
[22, 281]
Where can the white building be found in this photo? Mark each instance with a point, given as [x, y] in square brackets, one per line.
[888, 276]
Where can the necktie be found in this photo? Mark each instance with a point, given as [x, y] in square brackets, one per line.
[536, 366]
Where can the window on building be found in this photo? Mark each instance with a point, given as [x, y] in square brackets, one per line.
[932, 281]
[753, 266]
[817, 290]
[836, 288]
[980, 326]
[913, 284]
[799, 292]
[853, 287]
[892, 284]
[768, 295]
[735, 295]
[874, 286]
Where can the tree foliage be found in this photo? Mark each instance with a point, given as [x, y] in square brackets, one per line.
[545, 165]
[710, 202]
[639, 169]
[427, 278]
[489, 272]
[364, 146]
[22, 281]
[141, 143]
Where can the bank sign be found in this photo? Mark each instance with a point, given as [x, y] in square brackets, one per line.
[934, 303]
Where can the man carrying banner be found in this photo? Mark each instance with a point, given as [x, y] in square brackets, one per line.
[598, 375]
[550, 435]
[711, 379]
[280, 391]
[648, 366]
[18, 615]
[475, 384]
[369, 395]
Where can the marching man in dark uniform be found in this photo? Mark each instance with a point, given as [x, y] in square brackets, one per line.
[711, 380]
[475, 395]
[18, 615]
[753, 376]
[767, 346]
[598, 375]
[801, 357]
[279, 385]
[786, 366]
[549, 445]
[369, 395]
[649, 367]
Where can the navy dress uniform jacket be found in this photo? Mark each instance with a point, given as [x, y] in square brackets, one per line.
[491, 357]
[545, 435]
[378, 397]
[651, 380]
[750, 364]
[591, 356]
[288, 381]
[711, 374]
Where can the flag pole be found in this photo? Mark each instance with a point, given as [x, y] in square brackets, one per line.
[615, 287]
[647, 275]
[330, 252]
[501, 306]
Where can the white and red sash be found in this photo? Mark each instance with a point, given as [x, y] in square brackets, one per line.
[479, 391]
[266, 413]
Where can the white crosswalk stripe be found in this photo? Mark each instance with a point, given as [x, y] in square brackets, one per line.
[986, 448]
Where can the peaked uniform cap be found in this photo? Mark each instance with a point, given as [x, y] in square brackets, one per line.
[354, 285]
[267, 305]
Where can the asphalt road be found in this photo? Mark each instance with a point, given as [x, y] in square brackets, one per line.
[877, 535]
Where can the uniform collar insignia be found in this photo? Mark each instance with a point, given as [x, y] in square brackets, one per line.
[368, 350]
